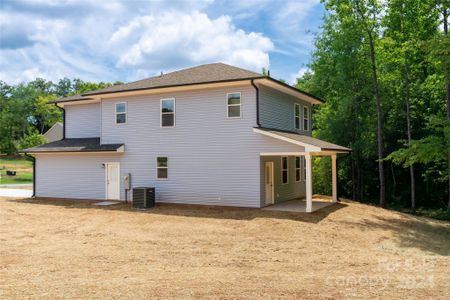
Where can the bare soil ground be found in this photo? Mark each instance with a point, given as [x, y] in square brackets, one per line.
[52, 249]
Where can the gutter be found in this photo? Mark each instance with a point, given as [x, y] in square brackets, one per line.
[64, 119]
[257, 103]
[34, 173]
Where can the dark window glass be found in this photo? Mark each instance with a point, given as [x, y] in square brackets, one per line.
[162, 173]
[297, 175]
[167, 119]
[285, 176]
[297, 162]
[162, 161]
[234, 111]
[121, 118]
[285, 163]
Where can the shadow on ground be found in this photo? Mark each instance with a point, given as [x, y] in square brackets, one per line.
[196, 211]
[412, 232]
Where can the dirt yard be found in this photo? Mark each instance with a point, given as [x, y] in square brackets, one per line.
[60, 249]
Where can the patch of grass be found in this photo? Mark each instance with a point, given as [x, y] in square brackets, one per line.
[23, 168]
[439, 214]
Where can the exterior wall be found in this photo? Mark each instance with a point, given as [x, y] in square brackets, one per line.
[277, 110]
[82, 120]
[55, 133]
[213, 160]
[282, 192]
[79, 176]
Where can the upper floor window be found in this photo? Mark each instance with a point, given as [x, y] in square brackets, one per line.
[298, 163]
[297, 115]
[234, 105]
[162, 167]
[121, 113]
[305, 118]
[168, 112]
[284, 170]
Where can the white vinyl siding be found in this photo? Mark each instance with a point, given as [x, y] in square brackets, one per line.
[212, 161]
[82, 120]
[277, 110]
[78, 176]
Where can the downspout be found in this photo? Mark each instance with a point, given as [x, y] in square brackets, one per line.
[64, 119]
[34, 173]
[257, 103]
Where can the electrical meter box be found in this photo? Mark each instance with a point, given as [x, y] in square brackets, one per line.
[127, 181]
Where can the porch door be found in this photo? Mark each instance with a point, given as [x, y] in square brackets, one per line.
[112, 178]
[268, 182]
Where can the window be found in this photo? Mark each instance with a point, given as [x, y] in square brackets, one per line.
[298, 168]
[297, 115]
[168, 112]
[305, 118]
[121, 113]
[284, 170]
[234, 105]
[162, 167]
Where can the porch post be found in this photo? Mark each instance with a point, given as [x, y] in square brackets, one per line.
[334, 176]
[308, 182]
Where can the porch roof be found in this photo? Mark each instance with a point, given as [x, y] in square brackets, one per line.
[311, 144]
[76, 145]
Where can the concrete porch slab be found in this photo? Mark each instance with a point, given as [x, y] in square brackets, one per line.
[299, 205]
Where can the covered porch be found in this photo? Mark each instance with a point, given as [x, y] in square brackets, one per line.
[308, 148]
[299, 205]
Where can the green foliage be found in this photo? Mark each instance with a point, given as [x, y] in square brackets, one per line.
[25, 112]
[411, 55]
[322, 175]
[32, 138]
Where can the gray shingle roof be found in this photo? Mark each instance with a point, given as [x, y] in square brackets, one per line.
[209, 73]
[74, 145]
[323, 145]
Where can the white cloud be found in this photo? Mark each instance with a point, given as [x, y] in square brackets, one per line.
[293, 77]
[177, 39]
[119, 41]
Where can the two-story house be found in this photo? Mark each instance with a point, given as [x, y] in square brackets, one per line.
[212, 134]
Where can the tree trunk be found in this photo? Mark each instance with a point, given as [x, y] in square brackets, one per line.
[408, 130]
[376, 90]
[447, 97]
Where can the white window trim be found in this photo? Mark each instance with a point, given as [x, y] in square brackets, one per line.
[240, 105]
[299, 116]
[161, 113]
[125, 112]
[287, 170]
[160, 156]
[303, 117]
[298, 169]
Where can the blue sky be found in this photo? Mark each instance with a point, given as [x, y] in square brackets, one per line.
[130, 40]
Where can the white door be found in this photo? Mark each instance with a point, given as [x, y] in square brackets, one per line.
[268, 182]
[112, 178]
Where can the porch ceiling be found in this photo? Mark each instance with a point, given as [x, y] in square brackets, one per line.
[311, 144]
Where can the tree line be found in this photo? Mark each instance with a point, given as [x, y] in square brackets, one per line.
[383, 69]
[25, 113]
